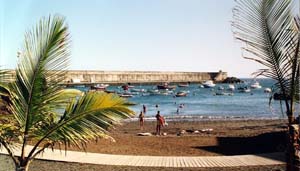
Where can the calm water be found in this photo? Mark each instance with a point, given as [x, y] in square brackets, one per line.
[202, 102]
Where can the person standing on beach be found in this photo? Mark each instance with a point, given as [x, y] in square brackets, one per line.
[144, 109]
[159, 123]
[142, 120]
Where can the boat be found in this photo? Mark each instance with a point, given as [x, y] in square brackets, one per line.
[126, 95]
[110, 91]
[181, 94]
[201, 86]
[267, 90]
[165, 86]
[137, 90]
[244, 90]
[255, 85]
[183, 85]
[220, 88]
[153, 92]
[231, 87]
[223, 94]
[100, 87]
[209, 84]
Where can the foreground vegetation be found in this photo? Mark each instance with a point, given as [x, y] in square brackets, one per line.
[39, 111]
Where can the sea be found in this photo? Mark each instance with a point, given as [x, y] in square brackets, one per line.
[203, 103]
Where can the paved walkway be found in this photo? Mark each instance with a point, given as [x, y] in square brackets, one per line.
[161, 161]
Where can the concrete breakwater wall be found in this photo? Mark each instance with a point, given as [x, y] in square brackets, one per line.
[142, 76]
[119, 77]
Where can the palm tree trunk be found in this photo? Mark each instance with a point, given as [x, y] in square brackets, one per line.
[22, 168]
[293, 153]
[22, 165]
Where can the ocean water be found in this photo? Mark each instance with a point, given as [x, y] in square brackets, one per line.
[203, 103]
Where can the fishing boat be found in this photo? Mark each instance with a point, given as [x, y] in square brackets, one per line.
[220, 88]
[165, 86]
[267, 90]
[231, 87]
[153, 92]
[137, 90]
[255, 85]
[126, 95]
[223, 94]
[100, 87]
[209, 84]
[183, 85]
[244, 90]
[181, 94]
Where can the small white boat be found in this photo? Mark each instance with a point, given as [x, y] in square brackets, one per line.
[220, 88]
[231, 87]
[267, 90]
[137, 90]
[244, 90]
[209, 84]
[223, 94]
[255, 85]
[181, 94]
[126, 95]
[183, 85]
[100, 87]
[201, 86]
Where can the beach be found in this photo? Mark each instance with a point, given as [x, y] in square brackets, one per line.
[231, 137]
[226, 137]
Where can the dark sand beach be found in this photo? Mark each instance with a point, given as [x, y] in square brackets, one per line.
[227, 138]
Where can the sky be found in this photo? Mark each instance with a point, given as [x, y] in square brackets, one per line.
[134, 35]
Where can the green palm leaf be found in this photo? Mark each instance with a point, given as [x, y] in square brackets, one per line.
[266, 27]
[41, 110]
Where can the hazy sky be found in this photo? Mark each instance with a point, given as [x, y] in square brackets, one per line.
[150, 35]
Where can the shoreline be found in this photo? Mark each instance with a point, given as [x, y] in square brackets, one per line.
[199, 118]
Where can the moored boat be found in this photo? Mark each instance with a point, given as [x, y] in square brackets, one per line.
[255, 85]
[244, 90]
[165, 86]
[231, 87]
[267, 90]
[209, 84]
[126, 95]
[181, 94]
[183, 85]
[100, 87]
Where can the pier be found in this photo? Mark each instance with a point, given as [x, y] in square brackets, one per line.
[91, 77]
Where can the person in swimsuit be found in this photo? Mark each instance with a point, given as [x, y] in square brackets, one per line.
[159, 123]
[142, 120]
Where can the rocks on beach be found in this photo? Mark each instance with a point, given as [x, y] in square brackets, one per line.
[206, 130]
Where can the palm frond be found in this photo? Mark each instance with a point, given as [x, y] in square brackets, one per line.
[266, 27]
[45, 50]
[86, 119]
[262, 25]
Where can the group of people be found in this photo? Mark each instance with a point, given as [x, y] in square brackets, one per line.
[160, 121]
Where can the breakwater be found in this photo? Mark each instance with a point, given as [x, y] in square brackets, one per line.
[142, 76]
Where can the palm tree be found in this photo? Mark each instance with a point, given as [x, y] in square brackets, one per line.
[269, 31]
[41, 111]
